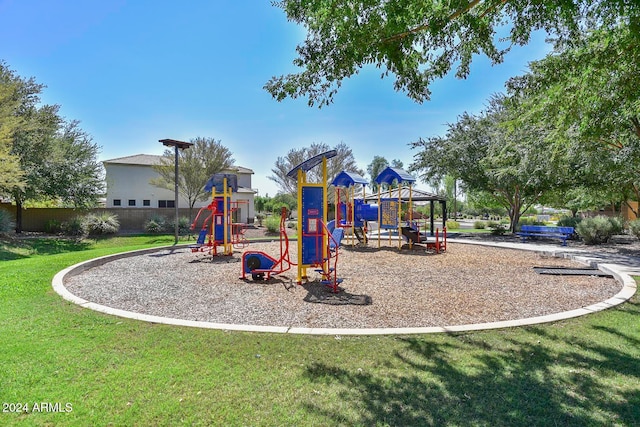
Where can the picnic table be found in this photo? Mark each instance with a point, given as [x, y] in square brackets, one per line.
[562, 233]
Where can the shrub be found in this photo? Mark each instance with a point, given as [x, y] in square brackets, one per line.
[155, 225]
[75, 227]
[634, 228]
[498, 229]
[273, 224]
[452, 225]
[102, 223]
[479, 225]
[184, 225]
[6, 221]
[618, 225]
[569, 221]
[52, 226]
[598, 230]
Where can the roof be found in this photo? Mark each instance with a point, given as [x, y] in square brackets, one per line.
[416, 195]
[311, 163]
[390, 174]
[347, 179]
[153, 159]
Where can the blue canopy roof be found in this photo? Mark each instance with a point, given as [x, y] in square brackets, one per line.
[311, 163]
[389, 174]
[217, 181]
[347, 179]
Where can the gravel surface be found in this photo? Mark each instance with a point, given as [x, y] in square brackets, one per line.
[381, 288]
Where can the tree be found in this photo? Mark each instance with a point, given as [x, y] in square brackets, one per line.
[71, 171]
[196, 165]
[57, 160]
[587, 90]
[377, 165]
[343, 161]
[422, 40]
[11, 175]
[489, 154]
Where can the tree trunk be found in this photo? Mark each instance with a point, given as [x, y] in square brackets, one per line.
[18, 215]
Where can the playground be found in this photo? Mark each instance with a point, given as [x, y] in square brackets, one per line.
[412, 279]
[386, 288]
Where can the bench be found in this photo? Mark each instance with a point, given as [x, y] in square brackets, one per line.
[562, 233]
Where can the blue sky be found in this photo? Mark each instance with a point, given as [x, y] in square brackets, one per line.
[134, 72]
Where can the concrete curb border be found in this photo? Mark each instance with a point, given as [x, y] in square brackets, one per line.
[620, 272]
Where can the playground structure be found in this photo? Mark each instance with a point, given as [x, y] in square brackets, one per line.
[218, 228]
[318, 241]
[260, 264]
[354, 213]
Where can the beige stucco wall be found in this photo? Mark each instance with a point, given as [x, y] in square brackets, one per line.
[132, 182]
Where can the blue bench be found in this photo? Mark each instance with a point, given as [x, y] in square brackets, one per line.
[562, 233]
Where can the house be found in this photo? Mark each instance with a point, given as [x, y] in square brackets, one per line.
[128, 186]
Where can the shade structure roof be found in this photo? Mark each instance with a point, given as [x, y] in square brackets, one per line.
[217, 181]
[416, 195]
[311, 163]
[175, 143]
[390, 174]
[347, 179]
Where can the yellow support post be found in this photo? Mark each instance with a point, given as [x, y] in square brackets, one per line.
[379, 215]
[325, 237]
[301, 270]
[399, 219]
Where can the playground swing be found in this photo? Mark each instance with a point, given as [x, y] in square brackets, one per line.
[261, 265]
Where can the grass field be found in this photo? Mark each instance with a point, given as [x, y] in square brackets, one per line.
[72, 366]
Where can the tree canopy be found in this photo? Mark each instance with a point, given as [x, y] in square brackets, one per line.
[419, 41]
[489, 154]
[49, 157]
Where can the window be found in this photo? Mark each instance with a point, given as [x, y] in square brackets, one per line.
[132, 202]
[166, 203]
[117, 202]
[146, 203]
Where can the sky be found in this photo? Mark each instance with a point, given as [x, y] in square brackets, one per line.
[135, 72]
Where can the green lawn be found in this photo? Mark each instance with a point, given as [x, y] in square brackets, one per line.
[109, 370]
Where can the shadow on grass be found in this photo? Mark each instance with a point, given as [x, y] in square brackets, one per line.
[530, 377]
[20, 249]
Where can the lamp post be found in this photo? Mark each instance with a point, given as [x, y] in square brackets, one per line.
[176, 145]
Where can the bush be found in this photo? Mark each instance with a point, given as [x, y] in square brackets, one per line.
[75, 227]
[634, 228]
[599, 229]
[6, 221]
[479, 225]
[184, 226]
[52, 226]
[102, 223]
[497, 229]
[618, 225]
[569, 221]
[273, 224]
[452, 225]
[156, 225]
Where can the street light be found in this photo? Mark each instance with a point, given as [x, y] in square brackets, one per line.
[177, 145]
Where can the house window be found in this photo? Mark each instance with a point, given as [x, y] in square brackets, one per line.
[117, 202]
[146, 203]
[166, 203]
[132, 202]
